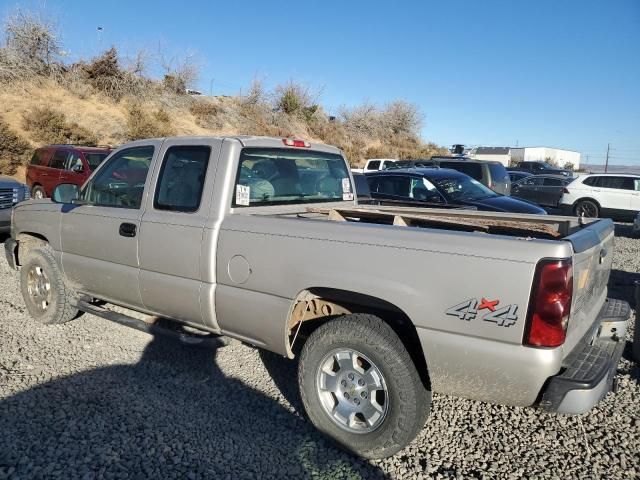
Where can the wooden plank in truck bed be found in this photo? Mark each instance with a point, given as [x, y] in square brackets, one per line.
[415, 217]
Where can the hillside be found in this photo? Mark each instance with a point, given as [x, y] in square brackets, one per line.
[109, 100]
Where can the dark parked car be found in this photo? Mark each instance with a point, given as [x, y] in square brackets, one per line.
[491, 174]
[56, 164]
[11, 193]
[445, 187]
[516, 176]
[541, 168]
[542, 189]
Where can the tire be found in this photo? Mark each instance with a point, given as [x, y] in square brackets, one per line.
[38, 192]
[47, 298]
[398, 399]
[587, 208]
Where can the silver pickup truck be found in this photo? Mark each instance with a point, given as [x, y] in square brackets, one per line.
[261, 239]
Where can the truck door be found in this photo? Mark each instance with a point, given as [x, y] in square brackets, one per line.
[100, 232]
[172, 230]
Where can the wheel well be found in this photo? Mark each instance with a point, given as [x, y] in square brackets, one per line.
[26, 241]
[316, 306]
[587, 198]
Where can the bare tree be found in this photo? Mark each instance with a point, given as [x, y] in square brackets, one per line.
[180, 72]
[31, 46]
[138, 64]
[402, 118]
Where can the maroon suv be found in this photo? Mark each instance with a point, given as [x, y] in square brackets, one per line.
[56, 164]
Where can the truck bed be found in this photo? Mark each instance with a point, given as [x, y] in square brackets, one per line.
[549, 227]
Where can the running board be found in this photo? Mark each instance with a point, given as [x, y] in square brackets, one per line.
[209, 341]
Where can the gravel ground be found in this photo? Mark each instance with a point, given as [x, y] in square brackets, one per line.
[92, 399]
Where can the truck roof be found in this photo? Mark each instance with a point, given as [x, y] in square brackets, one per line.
[253, 141]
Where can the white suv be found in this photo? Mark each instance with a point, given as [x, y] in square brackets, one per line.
[602, 194]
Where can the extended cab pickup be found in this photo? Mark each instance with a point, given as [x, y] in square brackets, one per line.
[261, 239]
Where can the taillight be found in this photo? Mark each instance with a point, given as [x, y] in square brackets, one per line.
[550, 304]
[291, 142]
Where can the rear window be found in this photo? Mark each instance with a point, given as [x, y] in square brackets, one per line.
[618, 183]
[397, 186]
[37, 158]
[362, 186]
[274, 176]
[59, 159]
[553, 182]
[375, 165]
[498, 172]
[94, 159]
[591, 181]
[474, 170]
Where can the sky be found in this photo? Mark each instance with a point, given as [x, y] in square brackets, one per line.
[499, 73]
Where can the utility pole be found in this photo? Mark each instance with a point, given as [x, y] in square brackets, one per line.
[606, 164]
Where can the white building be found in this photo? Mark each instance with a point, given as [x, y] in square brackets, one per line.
[511, 155]
[556, 156]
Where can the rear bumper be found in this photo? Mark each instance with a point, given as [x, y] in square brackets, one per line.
[588, 372]
[566, 209]
[10, 252]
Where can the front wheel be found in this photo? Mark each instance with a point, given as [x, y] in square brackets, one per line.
[38, 192]
[360, 387]
[587, 208]
[47, 298]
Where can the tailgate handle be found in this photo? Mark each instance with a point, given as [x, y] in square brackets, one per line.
[603, 253]
[128, 229]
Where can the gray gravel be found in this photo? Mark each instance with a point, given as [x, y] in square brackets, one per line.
[92, 399]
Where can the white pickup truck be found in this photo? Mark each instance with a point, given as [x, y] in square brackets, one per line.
[261, 239]
[375, 164]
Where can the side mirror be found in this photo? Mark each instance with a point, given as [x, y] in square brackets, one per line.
[65, 193]
[77, 168]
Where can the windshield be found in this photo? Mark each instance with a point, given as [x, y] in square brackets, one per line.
[272, 176]
[94, 159]
[462, 188]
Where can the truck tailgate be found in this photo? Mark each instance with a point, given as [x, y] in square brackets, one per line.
[593, 256]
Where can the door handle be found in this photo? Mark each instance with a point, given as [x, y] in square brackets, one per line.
[128, 229]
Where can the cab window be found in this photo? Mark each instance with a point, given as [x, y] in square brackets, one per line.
[182, 178]
[120, 182]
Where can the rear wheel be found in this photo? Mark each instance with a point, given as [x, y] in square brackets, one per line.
[47, 298]
[360, 387]
[587, 208]
[38, 192]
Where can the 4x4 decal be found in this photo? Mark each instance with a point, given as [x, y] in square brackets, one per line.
[469, 310]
